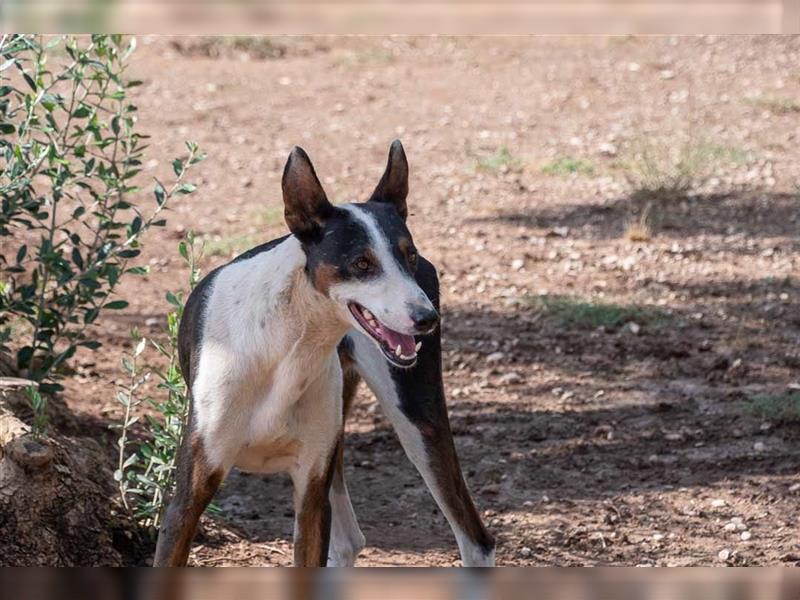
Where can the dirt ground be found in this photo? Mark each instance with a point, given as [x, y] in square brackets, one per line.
[603, 392]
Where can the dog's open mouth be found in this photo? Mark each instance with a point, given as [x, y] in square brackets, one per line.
[400, 348]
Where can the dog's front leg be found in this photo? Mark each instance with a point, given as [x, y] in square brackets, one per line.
[197, 481]
[319, 414]
[312, 525]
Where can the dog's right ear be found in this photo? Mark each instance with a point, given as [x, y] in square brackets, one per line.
[306, 207]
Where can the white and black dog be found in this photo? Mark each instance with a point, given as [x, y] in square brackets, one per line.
[273, 346]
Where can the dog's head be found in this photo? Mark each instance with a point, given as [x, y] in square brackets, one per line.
[362, 256]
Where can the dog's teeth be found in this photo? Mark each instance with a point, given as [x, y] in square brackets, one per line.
[418, 346]
[398, 351]
[372, 322]
[367, 314]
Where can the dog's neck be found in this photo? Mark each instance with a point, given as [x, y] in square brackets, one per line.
[310, 322]
[316, 316]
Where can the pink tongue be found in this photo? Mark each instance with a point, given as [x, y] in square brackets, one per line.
[393, 338]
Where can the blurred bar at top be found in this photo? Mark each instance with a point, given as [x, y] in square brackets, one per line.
[402, 16]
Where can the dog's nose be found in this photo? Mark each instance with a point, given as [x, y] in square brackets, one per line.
[424, 318]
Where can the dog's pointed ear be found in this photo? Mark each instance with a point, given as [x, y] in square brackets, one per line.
[306, 207]
[393, 186]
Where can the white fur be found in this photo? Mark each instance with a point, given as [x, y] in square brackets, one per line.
[267, 395]
[347, 541]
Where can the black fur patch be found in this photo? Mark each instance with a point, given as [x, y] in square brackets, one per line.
[394, 229]
[344, 240]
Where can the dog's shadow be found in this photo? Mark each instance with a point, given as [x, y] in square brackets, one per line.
[610, 414]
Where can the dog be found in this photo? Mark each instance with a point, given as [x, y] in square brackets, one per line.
[273, 346]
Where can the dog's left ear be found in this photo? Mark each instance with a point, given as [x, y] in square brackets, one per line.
[393, 186]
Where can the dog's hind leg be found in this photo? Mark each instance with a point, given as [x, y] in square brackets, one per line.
[347, 541]
[414, 401]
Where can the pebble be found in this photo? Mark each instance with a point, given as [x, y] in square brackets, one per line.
[607, 149]
[495, 357]
[511, 378]
[759, 447]
[517, 264]
[794, 487]
[718, 503]
[724, 554]
[745, 535]
[525, 552]
[634, 328]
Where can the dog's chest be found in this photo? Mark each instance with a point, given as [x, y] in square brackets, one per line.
[301, 410]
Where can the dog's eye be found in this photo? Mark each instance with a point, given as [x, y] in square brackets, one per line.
[362, 263]
[412, 258]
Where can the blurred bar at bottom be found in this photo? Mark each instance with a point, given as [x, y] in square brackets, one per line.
[397, 584]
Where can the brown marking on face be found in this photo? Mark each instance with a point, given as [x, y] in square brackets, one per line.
[324, 276]
[314, 518]
[197, 483]
[406, 248]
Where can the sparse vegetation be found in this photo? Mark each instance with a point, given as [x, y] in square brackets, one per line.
[146, 475]
[503, 159]
[569, 166]
[572, 312]
[778, 105]
[640, 229]
[254, 47]
[660, 171]
[777, 408]
[271, 216]
[230, 246]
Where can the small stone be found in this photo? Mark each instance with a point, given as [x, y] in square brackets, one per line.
[517, 264]
[745, 535]
[759, 447]
[525, 552]
[724, 554]
[607, 149]
[794, 487]
[666, 74]
[511, 378]
[657, 537]
[718, 503]
[634, 328]
[495, 357]
[730, 527]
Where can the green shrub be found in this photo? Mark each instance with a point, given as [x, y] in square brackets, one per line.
[500, 160]
[569, 166]
[577, 313]
[779, 408]
[71, 211]
[146, 468]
